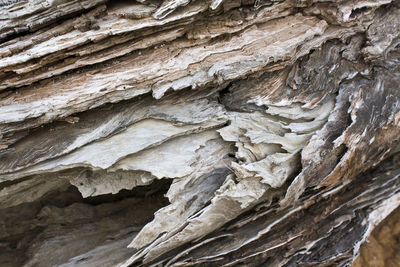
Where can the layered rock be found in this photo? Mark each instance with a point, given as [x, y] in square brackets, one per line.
[178, 132]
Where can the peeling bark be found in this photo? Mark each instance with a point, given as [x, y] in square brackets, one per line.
[215, 133]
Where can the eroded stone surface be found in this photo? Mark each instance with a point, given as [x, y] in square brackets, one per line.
[272, 127]
[381, 248]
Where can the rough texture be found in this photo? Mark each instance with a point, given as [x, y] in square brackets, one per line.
[382, 247]
[209, 133]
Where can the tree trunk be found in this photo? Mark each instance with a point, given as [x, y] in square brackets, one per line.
[206, 133]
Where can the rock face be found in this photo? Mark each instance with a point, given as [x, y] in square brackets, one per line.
[207, 133]
[382, 248]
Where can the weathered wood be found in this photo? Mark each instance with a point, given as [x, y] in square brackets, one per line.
[271, 127]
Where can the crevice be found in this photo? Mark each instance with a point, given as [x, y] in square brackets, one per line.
[84, 224]
[357, 12]
[222, 95]
[339, 152]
